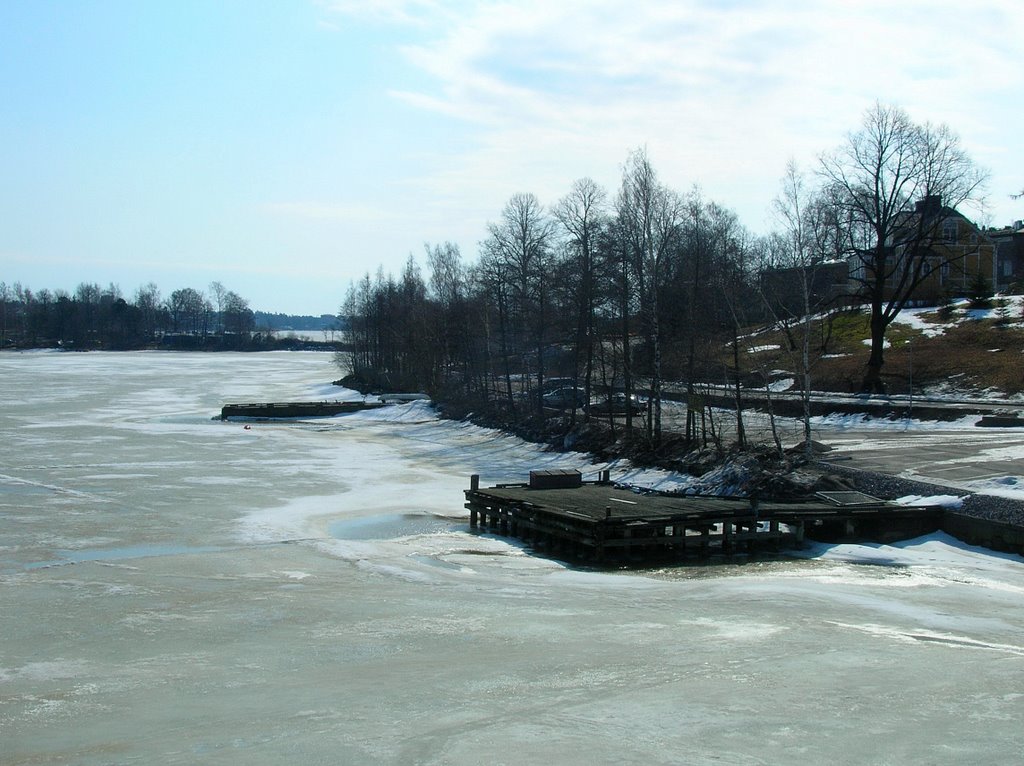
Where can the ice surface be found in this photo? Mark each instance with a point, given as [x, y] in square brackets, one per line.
[205, 610]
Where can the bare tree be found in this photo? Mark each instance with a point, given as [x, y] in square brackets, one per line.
[235, 315]
[582, 215]
[796, 211]
[879, 180]
[649, 216]
[448, 293]
[147, 301]
[189, 310]
[522, 240]
[493, 278]
[220, 295]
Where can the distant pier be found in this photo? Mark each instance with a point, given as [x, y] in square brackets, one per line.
[560, 514]
[271, 410]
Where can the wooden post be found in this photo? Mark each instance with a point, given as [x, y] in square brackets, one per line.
[474, 482]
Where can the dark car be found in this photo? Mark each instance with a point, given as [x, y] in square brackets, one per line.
[564, 398]
[617, 404]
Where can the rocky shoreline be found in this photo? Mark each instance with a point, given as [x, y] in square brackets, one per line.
[989, 507]
[760, 470]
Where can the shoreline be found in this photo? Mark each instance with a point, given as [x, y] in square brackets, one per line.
[991, 521]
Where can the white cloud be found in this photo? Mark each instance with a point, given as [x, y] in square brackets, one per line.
[722, 94]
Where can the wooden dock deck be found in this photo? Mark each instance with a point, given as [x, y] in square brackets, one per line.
[599, 523]
[272, 410]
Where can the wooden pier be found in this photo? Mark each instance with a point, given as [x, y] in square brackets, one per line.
[559, 514]
[272, 410]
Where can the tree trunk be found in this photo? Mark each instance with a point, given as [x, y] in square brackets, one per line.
[741, 436]
[656, 381]
[806, 394]
[872, 383]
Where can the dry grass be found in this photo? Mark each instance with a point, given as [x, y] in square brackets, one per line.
[971, 356]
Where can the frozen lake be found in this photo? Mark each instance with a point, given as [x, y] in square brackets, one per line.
[175, 589]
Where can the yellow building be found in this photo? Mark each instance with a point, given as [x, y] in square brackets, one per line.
[939, 253]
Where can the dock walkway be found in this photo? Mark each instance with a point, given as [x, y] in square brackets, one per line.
[598, 522]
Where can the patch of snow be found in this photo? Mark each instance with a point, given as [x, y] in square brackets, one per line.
[951, 502]
[862, 421]
[418, 411]
[935, 551]
[651, 478]
[759, 349]
[915, 319]
[783, 384]
[1001, 486]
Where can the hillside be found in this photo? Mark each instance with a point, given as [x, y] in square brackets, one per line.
[961, 350]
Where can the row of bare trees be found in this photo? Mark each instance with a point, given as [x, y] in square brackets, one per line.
[98, 317]
[594, 293]
[626, 291]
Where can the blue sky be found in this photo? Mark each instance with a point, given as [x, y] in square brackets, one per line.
[284, 148]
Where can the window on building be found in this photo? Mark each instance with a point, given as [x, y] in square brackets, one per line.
[944, 273]
[949, 231]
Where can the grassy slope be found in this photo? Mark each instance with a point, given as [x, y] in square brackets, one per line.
[966, 351]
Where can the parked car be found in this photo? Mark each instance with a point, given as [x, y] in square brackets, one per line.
[550, 385]
[564, 398]
[617, 404]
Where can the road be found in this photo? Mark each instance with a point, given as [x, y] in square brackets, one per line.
[955, 454]
[954, 457]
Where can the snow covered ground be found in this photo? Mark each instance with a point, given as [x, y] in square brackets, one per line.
[928, 322]
[177, 589]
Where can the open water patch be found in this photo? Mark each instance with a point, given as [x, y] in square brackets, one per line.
[392, 526]
[68, 557]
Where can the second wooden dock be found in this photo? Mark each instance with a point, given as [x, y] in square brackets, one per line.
[274, 410]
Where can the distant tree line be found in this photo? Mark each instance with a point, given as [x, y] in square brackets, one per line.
[624, 291]
[93, 317]
[279, 321]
